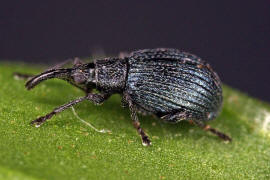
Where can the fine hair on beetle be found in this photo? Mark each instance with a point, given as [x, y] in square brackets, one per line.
[169, 83]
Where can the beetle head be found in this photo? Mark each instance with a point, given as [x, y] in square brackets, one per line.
[82, 75]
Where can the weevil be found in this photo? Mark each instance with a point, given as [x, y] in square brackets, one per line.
[168, 83]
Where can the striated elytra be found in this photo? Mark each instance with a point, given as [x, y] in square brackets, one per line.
[171, 84]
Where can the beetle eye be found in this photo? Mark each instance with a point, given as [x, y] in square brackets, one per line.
[79, 78]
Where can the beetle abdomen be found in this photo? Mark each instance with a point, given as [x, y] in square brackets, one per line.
[166, 80]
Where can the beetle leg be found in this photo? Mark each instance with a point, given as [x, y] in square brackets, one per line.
[175, 117]
[178, 116]
[217, 133]
[136, 123]
[39, 121]
[95, 98]
[124, 102]
[207, 127]
[22, 76]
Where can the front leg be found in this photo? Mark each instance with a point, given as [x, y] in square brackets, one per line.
[95, 98]
[22, 76]
[98, 98]
[39, 121]
[136, 123]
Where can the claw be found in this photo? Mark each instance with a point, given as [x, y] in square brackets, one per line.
[146, 141]
[38, 122]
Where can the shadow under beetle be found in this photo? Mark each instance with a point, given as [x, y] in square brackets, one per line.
[171, 84]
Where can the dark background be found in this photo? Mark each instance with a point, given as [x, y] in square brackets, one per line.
[234, 36]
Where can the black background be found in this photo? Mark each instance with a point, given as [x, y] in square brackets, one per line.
[234, 36]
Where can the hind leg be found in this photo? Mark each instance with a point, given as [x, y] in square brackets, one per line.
[175, 117]
[179, 116]
[207, 127]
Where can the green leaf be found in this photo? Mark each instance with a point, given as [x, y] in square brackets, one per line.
[65, 148]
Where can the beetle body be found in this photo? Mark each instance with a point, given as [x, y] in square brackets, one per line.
[169, 83]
